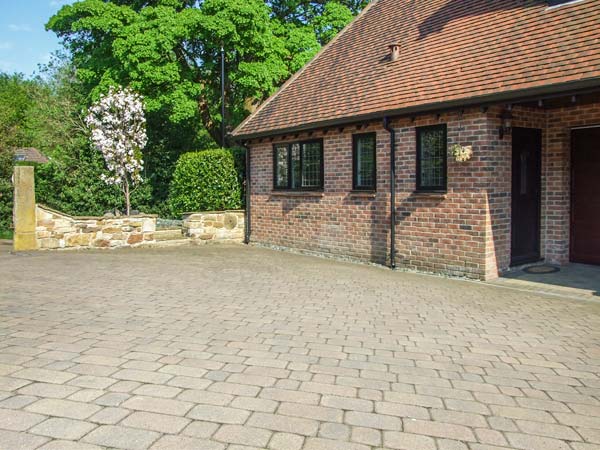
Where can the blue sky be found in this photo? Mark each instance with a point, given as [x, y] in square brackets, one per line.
[24, 43]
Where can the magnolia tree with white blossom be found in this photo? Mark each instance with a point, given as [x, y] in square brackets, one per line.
[118, 129]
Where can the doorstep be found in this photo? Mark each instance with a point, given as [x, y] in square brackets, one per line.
[579, 281]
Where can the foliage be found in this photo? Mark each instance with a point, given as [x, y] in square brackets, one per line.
[15, 102]
[205, 181]
[305, 11]
[72, 184]
[49, 119]
[6, 190]
[169, 51]
[54, 124]
[118, 131]
[324, 17]
[331, 21]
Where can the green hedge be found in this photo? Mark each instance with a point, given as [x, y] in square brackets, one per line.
[207, 180]
[6, 190]
[72, 185]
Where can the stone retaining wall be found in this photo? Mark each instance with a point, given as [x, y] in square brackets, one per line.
[56, 230]
[213, 226]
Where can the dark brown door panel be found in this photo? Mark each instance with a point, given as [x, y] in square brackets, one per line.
[526, 195]
[585, 195]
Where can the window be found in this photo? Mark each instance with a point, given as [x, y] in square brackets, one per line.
[298, 166]
[364, 168]
[431, 158]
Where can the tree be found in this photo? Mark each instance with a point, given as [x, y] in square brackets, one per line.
[324, 17]
[6, 189]
[331, 21]
[16, 102]
[118, 130]
[169, 51]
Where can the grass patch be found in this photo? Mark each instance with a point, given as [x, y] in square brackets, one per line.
[6, 234]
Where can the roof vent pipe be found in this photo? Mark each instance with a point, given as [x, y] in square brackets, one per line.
[394, 52]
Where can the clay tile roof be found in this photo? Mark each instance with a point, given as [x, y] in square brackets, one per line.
[454, 52]
[30, 154]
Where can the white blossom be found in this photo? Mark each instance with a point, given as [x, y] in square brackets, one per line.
[118, 130]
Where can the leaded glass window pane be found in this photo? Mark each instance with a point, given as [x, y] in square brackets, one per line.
[281, 168]
[432, 157]
[296, 168]
[311, 164]
[365, 162]
[298, 165]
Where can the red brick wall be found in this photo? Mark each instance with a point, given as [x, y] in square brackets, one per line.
[555, 124]
[335, 222]
[435, 233]
[465, 232]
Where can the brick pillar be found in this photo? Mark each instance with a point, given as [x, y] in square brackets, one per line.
[24, 209]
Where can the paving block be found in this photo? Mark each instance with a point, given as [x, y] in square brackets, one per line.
[60, 428]
[122, 437]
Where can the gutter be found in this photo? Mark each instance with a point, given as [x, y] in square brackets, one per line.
[247, 224]
[389, 129]
[578, 87]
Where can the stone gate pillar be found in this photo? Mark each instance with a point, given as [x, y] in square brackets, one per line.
[24, 218]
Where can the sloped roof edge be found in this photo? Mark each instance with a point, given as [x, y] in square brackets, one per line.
[521, 95]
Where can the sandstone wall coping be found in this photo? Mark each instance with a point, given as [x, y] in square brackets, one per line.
[54, 211]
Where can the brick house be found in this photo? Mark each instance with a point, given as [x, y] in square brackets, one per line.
[400, 89]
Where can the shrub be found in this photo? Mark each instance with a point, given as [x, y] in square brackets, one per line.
[72, 184]
[6, 189]
[239, 158]
[205, 181]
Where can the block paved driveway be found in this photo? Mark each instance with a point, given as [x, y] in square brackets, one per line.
[239, 348]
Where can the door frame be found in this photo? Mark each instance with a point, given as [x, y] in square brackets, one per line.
[572, 187]
[538, 213]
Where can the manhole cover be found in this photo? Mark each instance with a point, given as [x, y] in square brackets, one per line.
[541, 270]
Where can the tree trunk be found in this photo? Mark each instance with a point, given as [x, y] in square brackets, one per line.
[127, 200]
[211, 126]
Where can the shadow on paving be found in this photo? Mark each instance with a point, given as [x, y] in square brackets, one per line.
[576, 280]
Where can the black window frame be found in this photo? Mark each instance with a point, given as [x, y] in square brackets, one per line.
[355, 186]
[419, 186]
[289, 187]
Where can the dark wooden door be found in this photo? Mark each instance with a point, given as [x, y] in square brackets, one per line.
[526, 195]
[585, 196]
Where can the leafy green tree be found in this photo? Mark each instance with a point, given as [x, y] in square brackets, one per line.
[6, 189]
[15, 103]
[46, 113]
[331, 21]
[169, 51]
[324, 17]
